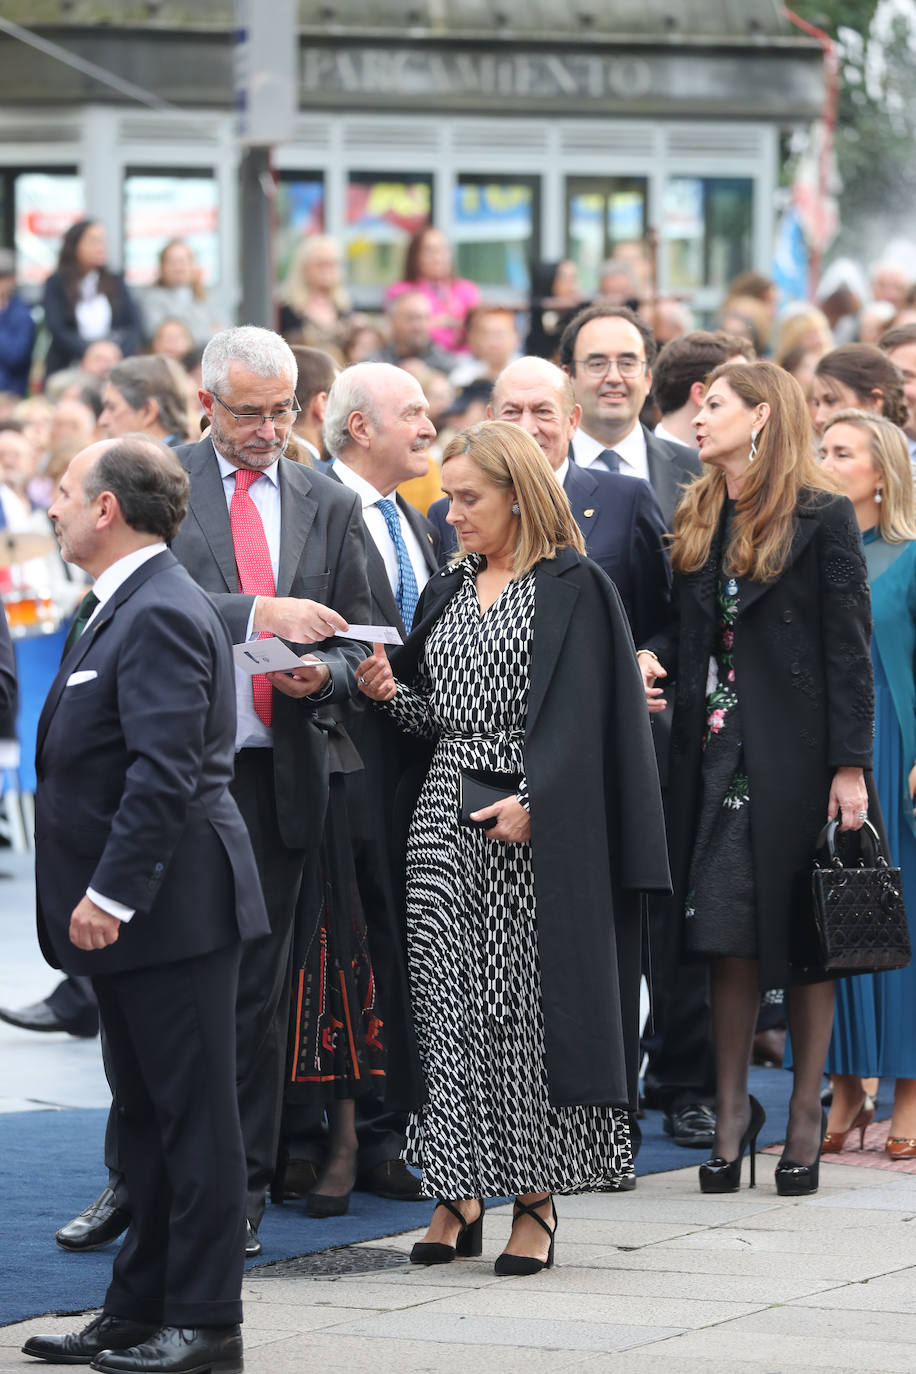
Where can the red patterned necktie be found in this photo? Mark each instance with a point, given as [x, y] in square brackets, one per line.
[256, 574]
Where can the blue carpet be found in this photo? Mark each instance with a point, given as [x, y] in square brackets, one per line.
[50, 1167]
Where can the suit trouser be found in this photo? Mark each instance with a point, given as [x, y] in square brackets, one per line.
[262, 1023]
[72, 997]
[170, 1033]
[262, 1017]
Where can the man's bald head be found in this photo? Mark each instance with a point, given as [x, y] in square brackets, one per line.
[539, 396]
[377, 422]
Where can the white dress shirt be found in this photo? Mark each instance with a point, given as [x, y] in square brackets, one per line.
[661, 433]
[375, 524]
[250, 730]
[105, 586]
[631, 451]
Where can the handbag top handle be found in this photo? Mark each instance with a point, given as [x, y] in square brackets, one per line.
[827, 839]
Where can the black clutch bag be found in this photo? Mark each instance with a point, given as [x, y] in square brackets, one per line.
[479, 787]
[858, 909]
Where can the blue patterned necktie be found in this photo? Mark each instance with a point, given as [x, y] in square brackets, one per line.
[610, 459]
[406, 595]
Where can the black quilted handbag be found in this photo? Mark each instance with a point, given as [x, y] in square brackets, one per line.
[858, 910]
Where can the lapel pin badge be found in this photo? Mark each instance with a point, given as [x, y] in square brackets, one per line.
[588, 513]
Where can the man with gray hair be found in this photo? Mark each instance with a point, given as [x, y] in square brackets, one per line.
[281, 550]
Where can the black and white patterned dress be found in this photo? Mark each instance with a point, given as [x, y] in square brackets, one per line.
[488, 1128]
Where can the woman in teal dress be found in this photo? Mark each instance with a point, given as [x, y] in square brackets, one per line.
[874, 1030]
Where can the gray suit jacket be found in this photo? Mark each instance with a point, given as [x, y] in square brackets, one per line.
[322, 558]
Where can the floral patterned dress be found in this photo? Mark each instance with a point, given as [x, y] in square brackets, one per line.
[720, 907]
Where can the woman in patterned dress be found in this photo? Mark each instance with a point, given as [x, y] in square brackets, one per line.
[772, 730]
[524, 927]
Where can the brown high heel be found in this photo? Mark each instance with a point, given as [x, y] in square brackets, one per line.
[898, 1147]
[835, 1140]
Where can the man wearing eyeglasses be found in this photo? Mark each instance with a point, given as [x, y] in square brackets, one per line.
[281, 550]
[608, 352]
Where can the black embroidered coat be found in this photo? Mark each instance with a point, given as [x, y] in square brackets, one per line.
[804, 676]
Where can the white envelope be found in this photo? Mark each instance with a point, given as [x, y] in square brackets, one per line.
[85, 675]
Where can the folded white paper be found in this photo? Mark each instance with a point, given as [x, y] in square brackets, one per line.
[265, 656]
[373, 634]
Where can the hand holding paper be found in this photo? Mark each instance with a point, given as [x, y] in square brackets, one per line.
[372, 634]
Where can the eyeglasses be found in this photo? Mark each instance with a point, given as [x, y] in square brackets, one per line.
[277, 418]
[598, 366]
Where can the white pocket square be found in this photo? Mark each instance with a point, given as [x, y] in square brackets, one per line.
[86, 675]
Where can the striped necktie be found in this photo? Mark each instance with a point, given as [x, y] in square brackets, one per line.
[407, 594]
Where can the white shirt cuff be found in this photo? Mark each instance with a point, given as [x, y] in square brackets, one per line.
[251, 632]
[118, 909]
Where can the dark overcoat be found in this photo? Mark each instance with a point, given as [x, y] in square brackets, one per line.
[804, 676]
[597, 831]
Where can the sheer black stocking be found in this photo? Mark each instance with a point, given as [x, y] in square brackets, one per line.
[735, 1000]
[810, 1015]
[338, 1173]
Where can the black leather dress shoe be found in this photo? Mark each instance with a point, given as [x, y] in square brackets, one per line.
[81, 1347]
[693, 1126]
[98, 1225]
[40, 1017]
[391, 1179]
[179, 1350]
[253, 1246]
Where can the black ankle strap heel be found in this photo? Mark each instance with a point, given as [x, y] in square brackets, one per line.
[468, 1245]
[521, 1265]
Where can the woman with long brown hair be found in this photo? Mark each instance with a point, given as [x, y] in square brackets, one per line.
[523, 922]
[84, 300]
[772, 734]
[860, 376]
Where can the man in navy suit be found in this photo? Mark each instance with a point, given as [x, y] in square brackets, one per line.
[147, 883]
[608, 351]
[620, 520]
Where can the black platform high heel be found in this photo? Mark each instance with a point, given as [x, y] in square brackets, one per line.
[521, 1265]
[798, 1180]
[468, 1245]
[720, 1175]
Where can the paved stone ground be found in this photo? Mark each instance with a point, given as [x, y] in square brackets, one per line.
[661, 1279]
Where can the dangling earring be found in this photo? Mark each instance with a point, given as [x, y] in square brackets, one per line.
[878, 497]
[516, 508]
[753, 453]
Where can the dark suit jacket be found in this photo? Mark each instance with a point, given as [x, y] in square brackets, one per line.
[624, 534]
[671, 467]
[322, 558]
[134, 764]
[384, 606]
